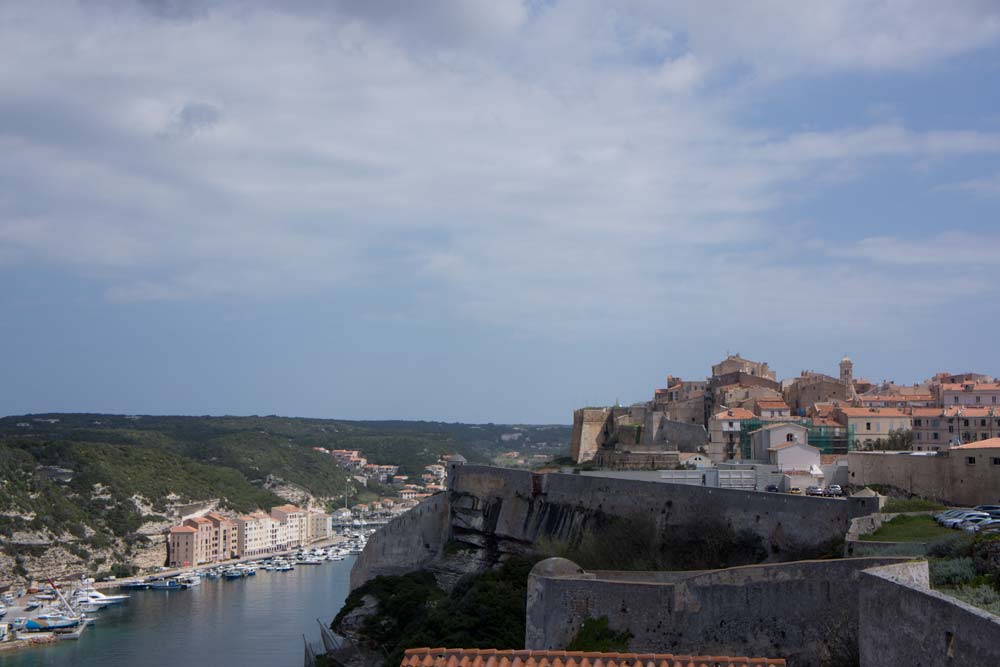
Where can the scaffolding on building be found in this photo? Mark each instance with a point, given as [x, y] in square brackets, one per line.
[828, 439]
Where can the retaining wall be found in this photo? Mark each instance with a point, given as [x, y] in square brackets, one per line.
[408, 542]
[805, 611]
[866, 525]
[904, 622]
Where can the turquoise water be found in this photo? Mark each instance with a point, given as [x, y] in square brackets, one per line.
[251, 622]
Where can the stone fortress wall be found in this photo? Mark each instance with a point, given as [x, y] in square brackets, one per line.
[498, 512]
[903, 622]
[408, 542]
[806, 611]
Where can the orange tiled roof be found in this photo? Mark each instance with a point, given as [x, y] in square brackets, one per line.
[183, 529]
[926, 412]
[967, 411]
[976, 386]
[992, 443]
[451, 657]
[735, 413]
[772, 404]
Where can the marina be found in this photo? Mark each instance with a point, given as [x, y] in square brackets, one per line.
[215, 606]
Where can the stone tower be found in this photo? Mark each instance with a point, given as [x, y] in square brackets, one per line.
[846, 371]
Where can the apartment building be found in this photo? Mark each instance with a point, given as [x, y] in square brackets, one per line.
[724, 433]
[295, 525]
[936, 429]
[872, 424]
[971, 394]
[182, 549]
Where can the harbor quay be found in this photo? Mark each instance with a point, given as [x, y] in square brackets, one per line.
[62, 610]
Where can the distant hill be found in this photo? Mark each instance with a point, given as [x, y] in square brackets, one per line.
[130, 472]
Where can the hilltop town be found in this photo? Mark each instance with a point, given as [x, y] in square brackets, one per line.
[810, 432]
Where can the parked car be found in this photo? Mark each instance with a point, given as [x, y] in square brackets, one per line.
[974, 524]
[987, 508]
[958, 519]
[772, 488]
[948, 514]
[814, 490]
[834, 490]
[796, 491]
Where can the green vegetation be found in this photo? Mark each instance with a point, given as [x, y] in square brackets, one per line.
[909, 528]
[595, 635]
[968, 569]
[899, 505]
[482, 611]
[115, 458]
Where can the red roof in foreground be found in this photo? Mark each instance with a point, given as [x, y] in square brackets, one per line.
[471, 657]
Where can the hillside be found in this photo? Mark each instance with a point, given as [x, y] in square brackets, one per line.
[133, 475]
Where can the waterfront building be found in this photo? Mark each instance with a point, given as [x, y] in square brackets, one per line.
[295, 525]
[182, 546]
[257, 534]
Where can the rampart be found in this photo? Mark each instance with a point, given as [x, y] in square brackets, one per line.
[865, 525]
[408, 542]
[946, 477]
[806, 611]
[904, 622]
[494, 512]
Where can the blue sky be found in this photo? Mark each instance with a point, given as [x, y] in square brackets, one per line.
[487, 211]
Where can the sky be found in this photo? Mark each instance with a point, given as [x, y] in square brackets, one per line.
[487, 211]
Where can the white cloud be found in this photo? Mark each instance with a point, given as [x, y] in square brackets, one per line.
[988, 186]
[500, 163]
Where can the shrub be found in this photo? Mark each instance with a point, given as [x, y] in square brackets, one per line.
[595, 635]
[955, 546]
[952, 572]
[983, 597]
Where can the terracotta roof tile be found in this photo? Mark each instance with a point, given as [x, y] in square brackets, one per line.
[449, 657]
[991, 443]
[734, 413]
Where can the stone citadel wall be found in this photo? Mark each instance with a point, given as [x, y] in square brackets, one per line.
[494, 512]
[806, 611]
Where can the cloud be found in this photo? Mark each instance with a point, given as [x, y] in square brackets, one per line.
[988, 186]
[499, 162]
[191, 118]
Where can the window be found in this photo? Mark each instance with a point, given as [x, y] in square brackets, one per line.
[918, 435]
[965, 422]
[951, 429]
[979, 399]
[916, 422]
[956, 399]
[983, 436]
[790, 438]
[868, 426]
[935, 422]
[995, 460]
[970, 460]
[982, 422]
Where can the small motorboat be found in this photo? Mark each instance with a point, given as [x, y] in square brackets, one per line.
[164, 585]
[189, 581]
[51, 622]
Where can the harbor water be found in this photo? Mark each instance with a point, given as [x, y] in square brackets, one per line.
[255, 621]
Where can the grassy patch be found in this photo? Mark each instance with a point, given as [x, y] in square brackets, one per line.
[909, 529]
[895, 505]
